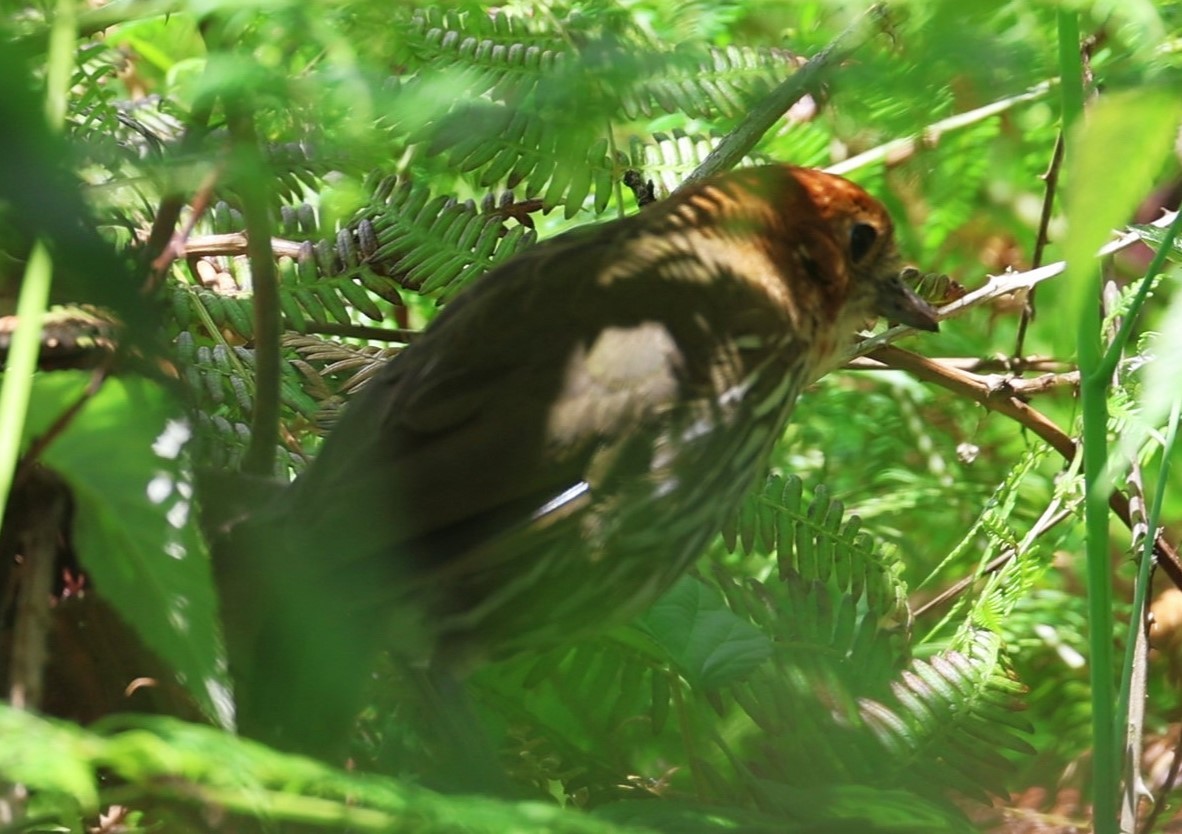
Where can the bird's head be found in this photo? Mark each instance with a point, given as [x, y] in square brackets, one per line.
[841, 241]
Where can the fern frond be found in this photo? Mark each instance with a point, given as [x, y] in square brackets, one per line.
[952, 202]
[497, 144]
[338, 369]
[817, 544]
[670, 157]
[990, 534]
[223, 375]
[949, 715]
[434, 245]
[497, 54]
[709, 83]
[406, 240]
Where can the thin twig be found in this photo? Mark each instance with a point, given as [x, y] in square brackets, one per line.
[1051, 517]
[1144, 578]
[121, 11]
[1133, 694]
[1051, 178]
[977, 364]
[996, 287]
[900, 149]
[760, 119]
[40, 443]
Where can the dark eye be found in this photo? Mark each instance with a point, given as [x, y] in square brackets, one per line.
[862, 238]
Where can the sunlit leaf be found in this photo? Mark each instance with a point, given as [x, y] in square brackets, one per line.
[134, 524]
[706, 641]
[1111, 162]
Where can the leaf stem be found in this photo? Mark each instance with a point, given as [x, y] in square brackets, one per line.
[264, 428]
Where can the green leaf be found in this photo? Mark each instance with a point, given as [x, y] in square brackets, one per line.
[134, 525]
[171, 761]
[49, 756]
[1155, 236]
[1161, 377]
[1112, 159]
[704, 639]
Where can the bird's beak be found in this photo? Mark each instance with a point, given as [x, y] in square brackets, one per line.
[899, 303]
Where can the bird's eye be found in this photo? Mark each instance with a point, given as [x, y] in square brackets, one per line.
[862, 238]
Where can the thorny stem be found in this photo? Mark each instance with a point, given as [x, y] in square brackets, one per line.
[1051, 178]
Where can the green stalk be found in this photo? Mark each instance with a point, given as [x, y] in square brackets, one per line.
[17, 384]
[1094, 396]
[22, 362]
[1145, 567]
[1070, 70]
[264, 283]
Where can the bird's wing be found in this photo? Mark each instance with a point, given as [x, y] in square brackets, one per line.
[531, 390]
[458, 426]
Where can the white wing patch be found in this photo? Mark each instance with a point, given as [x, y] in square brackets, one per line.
[624, 376]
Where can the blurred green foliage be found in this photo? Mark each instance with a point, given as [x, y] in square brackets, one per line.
[408, 149]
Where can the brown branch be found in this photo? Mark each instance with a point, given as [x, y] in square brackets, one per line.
[1000, 383]
[1001, 401]
[47, 503]
[172, 203]
[233, 244]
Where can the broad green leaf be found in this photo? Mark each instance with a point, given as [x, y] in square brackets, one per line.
[1112, 159]
[134, 525]
[707, 642]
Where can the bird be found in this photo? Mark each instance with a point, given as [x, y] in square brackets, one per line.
[562, 442]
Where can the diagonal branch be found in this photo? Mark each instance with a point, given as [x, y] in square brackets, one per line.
[896, 151]
[739, 142]
[1002, 401]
